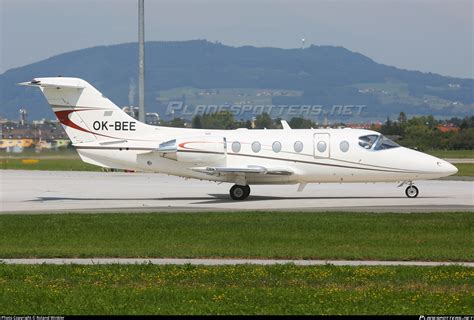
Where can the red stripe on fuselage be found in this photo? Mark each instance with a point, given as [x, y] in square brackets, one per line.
[183, 144]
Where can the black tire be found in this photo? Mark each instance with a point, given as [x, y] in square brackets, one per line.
[247, 191]
[238, 192]
[411, 192]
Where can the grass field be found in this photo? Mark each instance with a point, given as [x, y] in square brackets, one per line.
[31, 153]
[64, 160]
[456, 154]
[60, 164]
[285, 289]
[465, 169]
[383, 236]
[242, 289]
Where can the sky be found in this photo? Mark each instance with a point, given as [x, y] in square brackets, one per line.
[426, 35]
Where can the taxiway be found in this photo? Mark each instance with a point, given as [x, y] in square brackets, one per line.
[61, 191]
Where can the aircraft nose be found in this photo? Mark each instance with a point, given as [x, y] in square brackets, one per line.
[446, 167]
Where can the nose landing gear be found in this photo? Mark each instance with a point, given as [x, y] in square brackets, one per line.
[411, 191]
[238, 192]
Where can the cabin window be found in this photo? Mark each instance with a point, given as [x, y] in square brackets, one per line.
[298, 146]
[236, 146]
[276, 146]
[256, 146]
[344, 146]
[321, 146]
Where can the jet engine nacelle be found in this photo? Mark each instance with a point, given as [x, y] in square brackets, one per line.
[195, 149]
[201, 149]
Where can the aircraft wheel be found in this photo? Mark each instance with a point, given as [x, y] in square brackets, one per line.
[247, 191]
[239, 192]
[411, 192]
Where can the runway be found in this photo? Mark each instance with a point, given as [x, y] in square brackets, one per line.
[222, 262]
[65, 191]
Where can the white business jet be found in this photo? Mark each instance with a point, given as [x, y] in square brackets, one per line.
[106, 136]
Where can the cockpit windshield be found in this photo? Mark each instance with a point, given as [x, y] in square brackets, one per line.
[368, 141]
[376, 142]
[385, 143]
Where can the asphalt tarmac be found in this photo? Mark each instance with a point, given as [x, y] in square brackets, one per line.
[24, 191]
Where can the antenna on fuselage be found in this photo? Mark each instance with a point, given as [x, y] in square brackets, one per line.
[285, 125]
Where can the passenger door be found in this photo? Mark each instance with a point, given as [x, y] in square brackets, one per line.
[321, 145]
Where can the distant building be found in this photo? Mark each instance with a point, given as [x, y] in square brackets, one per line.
[131, 111]
[151, 118]
[18, 135]
[16, 143]
[367, 126]
[46, 130]
[448, 127]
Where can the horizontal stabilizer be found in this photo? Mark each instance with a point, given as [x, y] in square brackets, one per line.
[55, 83]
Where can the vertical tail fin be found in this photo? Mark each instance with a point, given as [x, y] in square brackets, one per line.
[85, 113]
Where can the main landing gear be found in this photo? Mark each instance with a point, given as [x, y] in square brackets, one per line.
[239, 192]
[411, 191]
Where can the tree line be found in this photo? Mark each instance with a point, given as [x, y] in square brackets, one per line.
[423, 132]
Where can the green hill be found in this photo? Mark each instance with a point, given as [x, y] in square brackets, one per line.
[322, 75]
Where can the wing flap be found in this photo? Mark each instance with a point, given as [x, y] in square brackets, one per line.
[243, 170]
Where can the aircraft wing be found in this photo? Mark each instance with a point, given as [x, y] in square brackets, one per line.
[244, 170]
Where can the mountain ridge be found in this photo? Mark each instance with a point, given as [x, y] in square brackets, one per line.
[327, 75]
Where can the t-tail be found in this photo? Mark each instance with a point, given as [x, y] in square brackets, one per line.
[86, 114]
